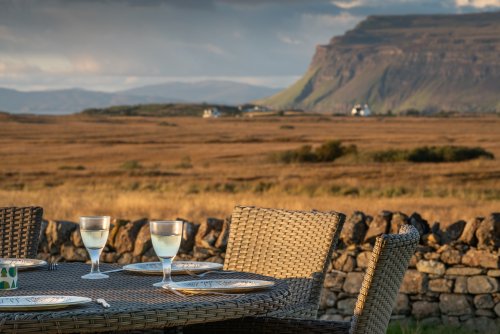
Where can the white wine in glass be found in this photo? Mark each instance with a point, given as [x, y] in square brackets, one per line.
[94, 231]
[166, 236]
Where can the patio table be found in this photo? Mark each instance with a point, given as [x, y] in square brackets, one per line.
[135, 303]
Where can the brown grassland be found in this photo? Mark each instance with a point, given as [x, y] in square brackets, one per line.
[193, 168]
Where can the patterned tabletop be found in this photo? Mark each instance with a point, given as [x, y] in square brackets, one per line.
[135, 303]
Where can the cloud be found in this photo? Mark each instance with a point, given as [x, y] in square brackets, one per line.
[347, 4]
[478, 3]
[288, 40]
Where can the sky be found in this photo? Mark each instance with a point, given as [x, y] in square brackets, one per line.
[112, 45]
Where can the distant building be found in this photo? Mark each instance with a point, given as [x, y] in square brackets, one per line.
[211, 113]
[252, 107]
[359, 110]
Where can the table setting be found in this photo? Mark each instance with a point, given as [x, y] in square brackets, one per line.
[47, 291]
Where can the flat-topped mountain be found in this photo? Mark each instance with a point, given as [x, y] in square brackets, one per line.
[424, 62]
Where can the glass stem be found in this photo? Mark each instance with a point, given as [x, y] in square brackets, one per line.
[166, 263]
[94, 257]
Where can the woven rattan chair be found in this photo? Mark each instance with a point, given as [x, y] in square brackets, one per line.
[20, 231]
[285, 244]
[390, 258]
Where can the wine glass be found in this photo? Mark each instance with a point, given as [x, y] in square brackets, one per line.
[166, 236]
[94, 231]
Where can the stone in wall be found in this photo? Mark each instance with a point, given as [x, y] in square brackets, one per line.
[449, 255]
[142, 240]
[420, 224]
[441, 285]
[482, 284]
[345, 262]
[488, 232]
[58, 232]
[353, 282]
[431, 239]
[363, 259]
[380, 225]
[460, 285]
[463, 271]
[127, 234]
[398, 219]
[328, 299]
[425, 309]
[402, 305]
[335, 280]
[208, 233]
[484, 301]
[469, 234]
[346, 306]
[481, 258]
[431, 267]
[494, 273]
[451, 304]
[453, 231]
[223, 237]
[116, 225]
[414, 282]
[354, 229]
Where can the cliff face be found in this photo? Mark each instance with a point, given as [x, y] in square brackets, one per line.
[427, 62]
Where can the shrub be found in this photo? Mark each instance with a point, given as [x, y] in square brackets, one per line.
[433, 154]
[390, 155]
[326, 152]
[185, 163]
[131, 165]
[302, 154]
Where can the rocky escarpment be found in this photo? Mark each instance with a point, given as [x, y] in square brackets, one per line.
[453, 278]
[424, 62]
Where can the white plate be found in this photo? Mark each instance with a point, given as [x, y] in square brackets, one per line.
[23, 263]
[26, 303]
[178, 267]
[223, 285]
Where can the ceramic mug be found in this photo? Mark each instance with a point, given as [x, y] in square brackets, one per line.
[8, 277]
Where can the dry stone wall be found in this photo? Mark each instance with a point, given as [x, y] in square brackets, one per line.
[453, 278]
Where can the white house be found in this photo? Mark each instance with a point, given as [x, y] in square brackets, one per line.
[211, 113]
[358, 110]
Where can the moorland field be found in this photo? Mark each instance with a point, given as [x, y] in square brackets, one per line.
[193, 168]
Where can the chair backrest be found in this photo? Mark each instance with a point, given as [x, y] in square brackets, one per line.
[20, 231]
[384, 275]
[284, 244]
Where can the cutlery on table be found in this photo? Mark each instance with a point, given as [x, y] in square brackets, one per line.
[102, 302]
[190, 273]
[52, 266]
[112, 271]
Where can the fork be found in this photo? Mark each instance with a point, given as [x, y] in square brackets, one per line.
[52, 266]
[190, 273]
[193, 293]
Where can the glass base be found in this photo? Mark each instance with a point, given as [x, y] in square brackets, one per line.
[162, 284]
[95, 276]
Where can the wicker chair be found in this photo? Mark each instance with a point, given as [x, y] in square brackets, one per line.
[390, 258]
[296, 245]
[20, 231]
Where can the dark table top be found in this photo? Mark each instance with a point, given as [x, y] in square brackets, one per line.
[135, 303]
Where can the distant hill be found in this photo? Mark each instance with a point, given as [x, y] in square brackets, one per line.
[209, 91]
[69, 101]
[65, 101]
[397, 63]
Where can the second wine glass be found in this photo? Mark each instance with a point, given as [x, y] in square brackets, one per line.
[166, 236]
